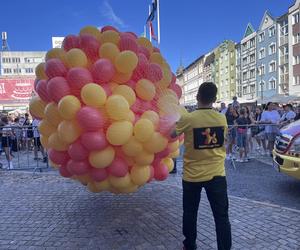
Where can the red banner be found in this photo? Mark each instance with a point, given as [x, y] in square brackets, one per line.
[16, 90]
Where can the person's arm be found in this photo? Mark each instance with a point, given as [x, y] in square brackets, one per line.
[180, 126]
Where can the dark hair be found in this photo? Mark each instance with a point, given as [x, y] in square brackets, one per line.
[26, 114]
[268, 104]
[17, 119]
[207, 93]
[4, 119]
[242, 111]
[289, 105]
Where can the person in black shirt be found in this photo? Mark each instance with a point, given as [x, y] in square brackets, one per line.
[231, 116]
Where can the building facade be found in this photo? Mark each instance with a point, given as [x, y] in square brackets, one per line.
[238, 81]
[248, 64]
[225, 70]
[294, 48]
[283, 54]
[267, 59]
[209, 68]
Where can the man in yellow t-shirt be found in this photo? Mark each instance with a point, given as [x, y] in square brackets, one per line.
[204, 140]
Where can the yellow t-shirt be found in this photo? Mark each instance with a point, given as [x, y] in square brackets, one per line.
[204, 140]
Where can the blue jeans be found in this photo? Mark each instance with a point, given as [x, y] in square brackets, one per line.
[216, 190]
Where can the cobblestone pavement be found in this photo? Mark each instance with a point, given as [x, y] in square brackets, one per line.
[45, 211]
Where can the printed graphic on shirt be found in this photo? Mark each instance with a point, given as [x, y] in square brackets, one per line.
[208, 138]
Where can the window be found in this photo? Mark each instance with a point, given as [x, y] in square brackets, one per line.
[272, 49]
[29, 70]
[262, 53]
[252, 73]
[296, 80]
[252, 42]
[262, 69]
[17, 71]
[245, 90]
[226, 82]
[244, 76]
[252, 88]
[296, 18]
[7, 71]
[252, 58]
[261, 37]
[272, 67]
[297, 38]
[232, 67]
[272, 31]
[231, 54]
[245, 60]
[244, 46]
[296, 60]
[226, 57]
[272, 84]
[226, 70]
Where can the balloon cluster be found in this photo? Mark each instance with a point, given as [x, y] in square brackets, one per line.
[107, 101]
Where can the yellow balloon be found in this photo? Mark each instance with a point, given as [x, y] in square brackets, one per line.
[156, 143]
[140, 175]
[166, 80]
[152, 116]
[103, 185]
[156, 57]
[174, 154]
[144, 158]
[109, 51]
[169, 163]
[122, 78]
[37, 107]
[133, 147]
[145, 89]
[130, 117]
[117, 107]
[91, 30]
[46, 128]
[102, 158]
[44, 141]
[167, 99]
[118, 133]
[143, 41]
[93, 188]
[69, 131]
[52, 114]
[163, 92]
[143, 130]
[120, 182]
[110, 36]
[68, 107]
[126, 92]
[171, 109]
[57, 53]
[131, 189]
[126, 61]
[76, 58]
[93, 95]
[40, 71]
[56, 143]
[173, 146]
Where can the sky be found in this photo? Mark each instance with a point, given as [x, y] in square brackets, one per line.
[189, 28]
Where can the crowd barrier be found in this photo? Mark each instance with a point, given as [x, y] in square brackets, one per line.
[17, 149]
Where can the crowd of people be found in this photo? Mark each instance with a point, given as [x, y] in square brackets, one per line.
[19, 133]
[253, 129]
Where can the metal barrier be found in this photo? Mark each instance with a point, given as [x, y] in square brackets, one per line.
[253, 141]
[19, 150]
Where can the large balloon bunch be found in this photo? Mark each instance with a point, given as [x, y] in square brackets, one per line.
[107, 101]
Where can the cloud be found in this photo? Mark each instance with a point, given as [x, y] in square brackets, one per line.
[108, 12]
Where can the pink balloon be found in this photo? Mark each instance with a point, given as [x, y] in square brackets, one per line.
[140, 70]
[153, 72]
[151, 174]
[177, 89]
[57, 88]
[129, 34]
[118, 167]
[155, 49]
[145, 105]
[107, 88]
[90, 46]
[35, 83]
[55, 67]
[64, 172]
[94, 140]
[154, 106]
[58, 157]
[98, 174]
[128, 43]
[173, 81]
[41, 89]
[108, 27]
[90, 119]
[164, 153]
[77, 151]
[136, 107]
[103, 71]
[71, 42]
[144, 51]
[156, 160]
[78, 77]
[161, 172]
[78, 167]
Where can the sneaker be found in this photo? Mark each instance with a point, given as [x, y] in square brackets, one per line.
[239, 160]
[10, 165]
[245, 160]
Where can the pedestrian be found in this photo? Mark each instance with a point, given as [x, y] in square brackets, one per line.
[258, 132]
[242, 129]
[288, 116]
[231, 115]
[204, 132]
[37, 142]
[223, 109]
[6, 140]
[235, 103]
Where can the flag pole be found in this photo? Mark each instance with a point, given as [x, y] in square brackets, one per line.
[150, 37]
[158, 23]
[145, 31]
